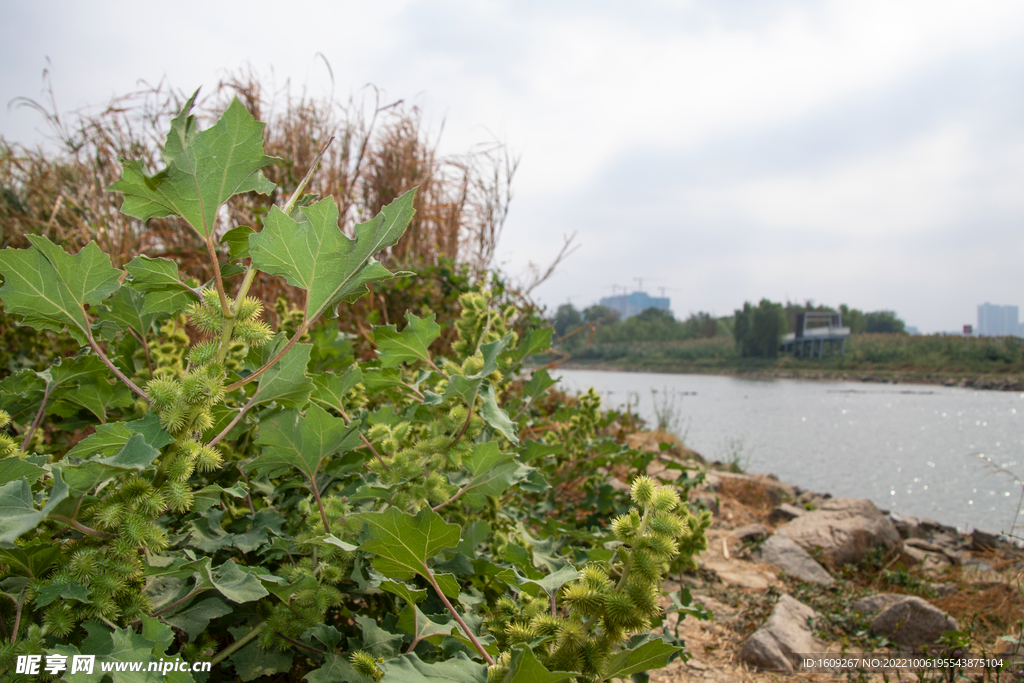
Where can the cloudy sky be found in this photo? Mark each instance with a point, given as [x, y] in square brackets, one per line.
[868, 152]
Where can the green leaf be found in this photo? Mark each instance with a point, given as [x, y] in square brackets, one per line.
[553, 581]
[237, 240]
[492, 472]
[538, 449]
[108, 439]
[31, 559]
[17, 510]
[654, 654]
[286, 382]
[235, 584]
[538, 340]
[402, 543]
[127, 310]
[377, 641]
[302, 442]
[336, 669]
[496, 417]
[411, 344]
[412, 620]
[252, 661]
[524, 667]
[50, 288]
[13, 468]
[135, 455]
[209, 495]
[98, 397]
[328, 635]
[72, 590]
[409, 668]
[540, 382]
[448, 584]
[151, 430]
[404, 590]
[331, 389]
[316, 256]
[204, 169]
[128, 646]
[154, 274]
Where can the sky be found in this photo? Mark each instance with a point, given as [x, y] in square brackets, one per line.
[868, 153]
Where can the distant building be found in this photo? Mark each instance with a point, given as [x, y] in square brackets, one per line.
[910, 329]
[998, 321]
[629, 305]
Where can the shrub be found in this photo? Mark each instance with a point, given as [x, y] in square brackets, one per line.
[196, 483]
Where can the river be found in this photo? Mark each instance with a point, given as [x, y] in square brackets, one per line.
[921, 450]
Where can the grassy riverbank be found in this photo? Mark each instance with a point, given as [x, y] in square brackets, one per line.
[984, 362]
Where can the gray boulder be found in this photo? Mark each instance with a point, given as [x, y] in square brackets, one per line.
[913, 623]
[792, 559]
[779, 644]
[873, 604]
[784, 513]
[751, 532]
[845, 529]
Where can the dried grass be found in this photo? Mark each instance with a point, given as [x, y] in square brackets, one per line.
[378, 152]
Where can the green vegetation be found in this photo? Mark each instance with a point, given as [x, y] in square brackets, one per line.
[307, 499]
[879, 349]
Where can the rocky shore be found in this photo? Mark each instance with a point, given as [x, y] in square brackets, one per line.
[790, 572]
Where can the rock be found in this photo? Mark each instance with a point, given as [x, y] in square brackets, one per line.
[784, 637]
[706, 500]
[940, 533]
[908, 527]
[845, 529]
[784, 513]
[873, 604]
[950, 555]
[922, 544]
[911, 556]
[792, 559]
[982, 540]
[913, 623]
[752, 532]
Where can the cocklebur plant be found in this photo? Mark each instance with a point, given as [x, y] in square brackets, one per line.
[607, 603]
[263, 498]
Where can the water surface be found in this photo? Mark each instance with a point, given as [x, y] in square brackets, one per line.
[921, 450]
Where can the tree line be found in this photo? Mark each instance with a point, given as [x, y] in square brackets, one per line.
[756, 329]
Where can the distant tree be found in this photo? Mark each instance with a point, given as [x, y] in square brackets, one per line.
[852, 318]
[757, 330]
[655, 314]
[603, 313]
[701, 325]
[566, 319]
[883, 322]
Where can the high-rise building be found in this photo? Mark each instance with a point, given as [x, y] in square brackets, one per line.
[998, 321]
[629, 305]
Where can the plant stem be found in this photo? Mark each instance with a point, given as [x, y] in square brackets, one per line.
[17, 619]
[113, 368]
[366, 442]
[319, 503]
[145, 347]
[299, 643]
[458, 618]
[75, 524]
[234, 420]
[303, 328]
[465, 425]
[212, 251]
[38, 418]
[457, 494]
[237, 645]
